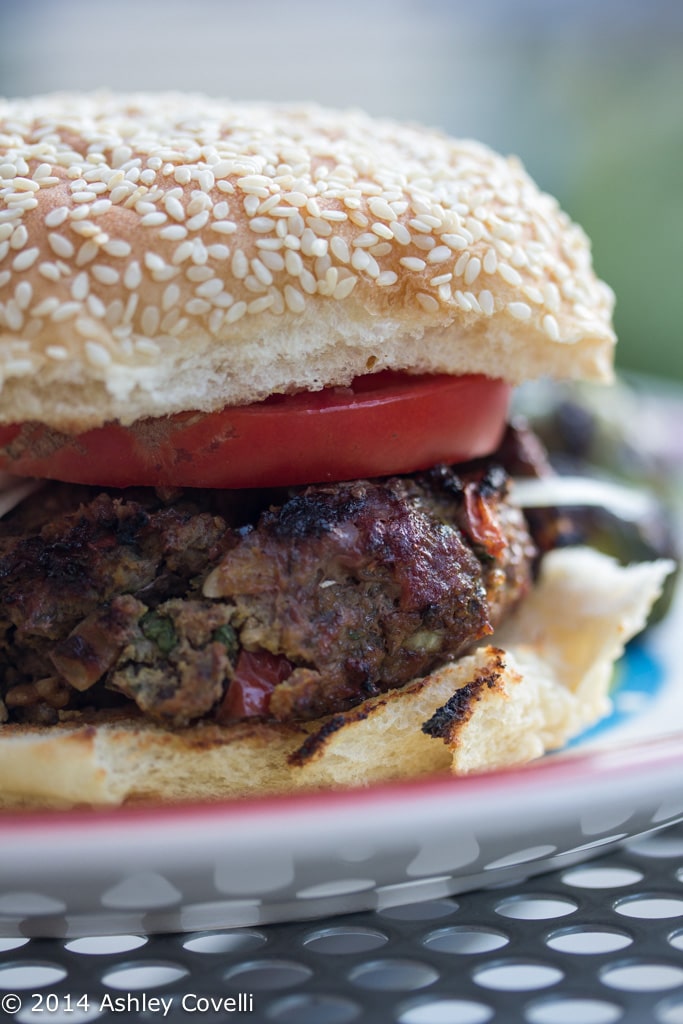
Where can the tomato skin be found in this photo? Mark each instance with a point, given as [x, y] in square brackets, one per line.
[257, 673]
[384, 424]
[483, 526]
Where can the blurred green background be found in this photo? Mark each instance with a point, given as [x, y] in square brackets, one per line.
[589, 94]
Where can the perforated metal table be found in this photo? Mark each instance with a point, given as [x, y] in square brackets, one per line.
[597, 943]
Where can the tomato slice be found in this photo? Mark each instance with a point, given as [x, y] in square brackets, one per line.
[384, 423]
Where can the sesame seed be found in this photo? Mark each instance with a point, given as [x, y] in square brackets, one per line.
[293, 263]
[260, 305]
[104, 274]
[173, 233]
[60, 245]
[65, 311]
[412, 263]
[436, 282]
[96, 307]
[380, 208]
[224, 299]
[80, 287]
[251, 204]
[87, 253]
[509, 274]
[56, 217]
[197, 307]
[520, 310]
[49, 271]
[427, 302]
[340, 249]
[97, 355]
[380, 250]
[221, 252]
[472, 270]
[308, 282]
[551, 328]
[210, 288]
[294, 299]
[490, 261]
[25, 185]
[183, 252]
[199, 221]
[551, 295]
[147, 347]
[57, 352]
[100, 206]
[261, 272]
[25, 260]
[473, 301]
[386, 278]
[461, 264]
[454, 241]
[239, 264]
[224, 227]
[423, 242]
[132, 277]
[262, 225]
[153, 261]
[358, 218]
[486, 302]
[198, 272]
[401, 233]
[170, 297]
[117, 247]
[174, 208]
[360, 259]
[19, 237]
[23, 294]
[130, 307]
[153, 220]
[439, 254]
[149, 321]
[534, 294]
[46, 307]
[18, 367]
[236, 312]
[319, 227]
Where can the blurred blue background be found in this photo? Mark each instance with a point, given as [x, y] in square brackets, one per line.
[589, 94]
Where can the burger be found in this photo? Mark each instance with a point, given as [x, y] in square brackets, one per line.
[259, 528]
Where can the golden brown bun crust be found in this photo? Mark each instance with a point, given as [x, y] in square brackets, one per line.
[166, 252]
[546, 679]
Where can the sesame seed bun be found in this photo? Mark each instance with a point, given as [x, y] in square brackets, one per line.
[163, 252]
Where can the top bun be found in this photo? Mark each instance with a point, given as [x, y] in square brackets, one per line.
[164, 252]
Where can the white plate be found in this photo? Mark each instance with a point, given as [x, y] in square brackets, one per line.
[259, 861]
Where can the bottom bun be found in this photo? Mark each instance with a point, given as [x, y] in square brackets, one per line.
[545, 680]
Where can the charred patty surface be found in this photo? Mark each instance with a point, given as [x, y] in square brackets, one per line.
[327, 595]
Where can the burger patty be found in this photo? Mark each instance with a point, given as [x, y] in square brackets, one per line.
[202, 605]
